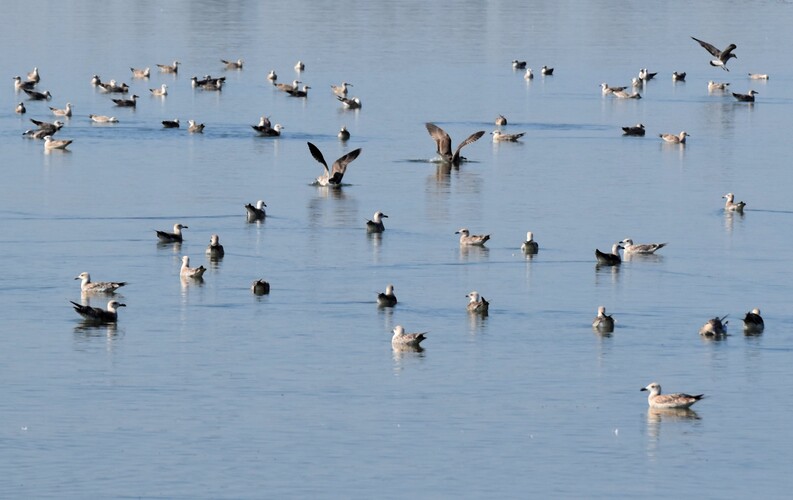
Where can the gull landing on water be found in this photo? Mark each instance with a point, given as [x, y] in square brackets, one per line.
[376, 224]
[402, 339]
[722, 56]
[88, 286]
[730, 204]
[668, 401]
[468, 239]
[332, 176]
[99, 315]
[444, 143]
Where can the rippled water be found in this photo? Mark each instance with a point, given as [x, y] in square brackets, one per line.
[204, 390]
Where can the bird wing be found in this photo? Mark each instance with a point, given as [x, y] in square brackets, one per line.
[340, 165]
[471, 138]
[710, 48]
[441, 138]
[727, 53]
[317, 154]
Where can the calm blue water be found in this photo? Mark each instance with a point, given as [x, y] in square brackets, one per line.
[204, 390]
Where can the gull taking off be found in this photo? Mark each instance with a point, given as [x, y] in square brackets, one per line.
[644, 249]
[376, 224]
[635, 130]
[332, 176]
[609, 259]
[477, 304]
[722, 56]
[190, 272]
[730, 204]
[254, 213]
[529, 246]
[499, 136]
[603, 322]
[669, 401]
[215, 249]
[88, 286]
[174, 237]
[387, 298]
[468, 239]
[674, 139]
[99, 315]
[753, 322]
[714, 327]
[402, 339]
[444, 143]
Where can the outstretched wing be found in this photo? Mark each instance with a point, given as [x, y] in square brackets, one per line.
[471, 138]
[441, 138]
[710, 48]
[340, 166]
[317, 154]
[726, 54]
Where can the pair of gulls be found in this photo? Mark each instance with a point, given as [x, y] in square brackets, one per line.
[717, 327]
[97, 314]
[638, 130]
[630, 248]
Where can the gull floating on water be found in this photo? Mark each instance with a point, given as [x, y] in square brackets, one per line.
[501, 120]
[97, 314]
[603, 322]
[343, 134]
[169, 68]
[160, 92]
[477, 304]
[758, 76]
[300, 66]
[272, 76]
[529, 74]
[215, 249]
[113, 88]
[171, 123]
[208, 83]
[499, 136]
[67, 111]
[190, 272]
[341, 89]
[714, 327]
[646, 248]
[468, 239]
[387, 298]
[353, 103]
[674, 139]
[529, 246]
[622, 94]
[20, 109]
[518, 64]
[20, 85]
[195, 128]
[254, 213]
[47, 128]
[635, 130]
[233, 64]
[444, 143]
[140, 73]
[402, 339]
[88, 286]
[722, 56]
[127, 103]
[679, 77]
[260, 287]
[646, 75]
[286, 87]
[546, 71]
[34, 76]
[95, 80]
[637, 82]
[753, 322]
[103, 119]
[730, 204]
[35, 95]
[669, 401]
[606, 89]
[299, 93]
[50, 143]
[174, 237]
[609, 259]
[745, 97]
[264, 128]
[713, 86]
[376, 224]
[333, 175]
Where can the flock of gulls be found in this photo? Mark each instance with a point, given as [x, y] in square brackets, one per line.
[332, 176]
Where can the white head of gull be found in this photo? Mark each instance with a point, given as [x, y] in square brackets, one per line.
[174, 237]
[477, 304]
[215, 249]
[731, 206]
[255, 212]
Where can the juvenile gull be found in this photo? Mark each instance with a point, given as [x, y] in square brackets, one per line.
[623, 94]
[501, 120]
[285, 87]
[353, 103]
[722, 56]
[387, 298]
[97, 314]
[668, 401]
[713, 86]
[679, 77]
[402, 339]
[160, 92]
[646, 75]
[477, 304]
[67, 111]
[499, 136]
[260, 287]
[20, 85]
[35, 95]
[140, 72]
[215, 249]
[190, 272]
[88, 286]
[730, 204]
[468, 239]
[518, 64]
[272, 76]
[34, 76]
[376, 224]
[20, 109]
[758, 76]
[50, 143]
[603, 322]
[546, 71]
[103, 119]
[444, 143]
[195, 128]
[606, 89]
[635, 130]
[343, 134]
[529, 246]
[674, 139]
[127, 103]
[637, 82]
[529, 74]
[299, 93]
[113, 88]
[714, 327]
[341, 90]
[333, 175]
[171, 123]
[753, 322]
[208, 83]
[745, 97]
[174, 237]
[645, 249]
[233, 64]
[609, 259]
[169, 68]
[300, 66]
[254, 213]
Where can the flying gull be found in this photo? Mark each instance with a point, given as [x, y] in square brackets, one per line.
[468, 239]
[603, 322]
[174, 237]
[387, 298]
[88, 286]
[332, 176]
[669, 401]
[722, 56]
[97, 314]
[444, 143]
[376, 224]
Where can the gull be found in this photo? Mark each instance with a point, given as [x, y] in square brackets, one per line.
[674, 139]
[113, 88]
[646, 249]
[530, 246]
[622, 94]
[722, 56]
[606, 89]
[637, 130]
[232, 64]
[38, 96]
[34, 76]
[669, 401]
[716, 86]
[609, 259]
[254, 213]
[140, 73]
[518, 64]
[745, 97]
[730, 204]
[341, 89]
[714, 327]
[646, 75]
[160, 92]
[20, 85]
[287, 87]
[501, 120]
[637, 82]
[190, 272]
[97, 314]
[267, 131]
[103, 119]
[67, 111]
[468, 239]
[387, 298]
[333, 175]
[300, 66]
[376, 224]
[260, 287]
[477, 304]
[753, 322]
[47, 128]
[402, 339]
[195, 128]
[272, 76]
[127, 103]
[169, 68]
[529, 74]
[546, 71]
[174, 237]
[603, 322]
[208, 83]
[758, 76]
[353, 103]
[88, 286]
[95, 80]
[343, 134]
[50, 143]
[499, 136]
[215, 249]
[20, 109]
[299, 93]
[171, 123]
[678, 77]
[444, 143]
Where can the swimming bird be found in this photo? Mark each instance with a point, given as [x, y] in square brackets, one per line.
[88, 286]
[285, 87]
[387, 298]
[95, 80]
[444, 143]
[623, 94]
[215, 249]
[195, 128]
[376, 224]
[730, 204]
[341, 90]
[714, 327]
[20, 109]
[402, 339]
[529, 74]
[679, 77]
[333, 175]
[103, 119]
[468, 239]
[722, 56]
[645, 75]
[169, 68]
[499, 136]
[272, 76]
[758, 76]
[603, 322]
[353, 103]
[477, 304]
[47, 128]
[34, 76]
[97, 314]
[20, 85]
[753, 322]
[208, 82]
[637, 82]
[160, 92]
[609, 259]
[529, 246]
[518, 64]
[67, 111]
[254, 213]
[646, 249]
[190, 272]
[546, 71]
[713, 86]
[501, 120]
[264, 129]
[171, 123]
[669, 401]
[635, 130]
[35, 95]
[232, 64]
[674, 139]
[606, 89]
[50, 143]
[745, 97]
[260, 287]
[343, 134]
[113, 87]
[300, 66]
[140, 72]
[174, 237]
[127, 103]
[299, 93]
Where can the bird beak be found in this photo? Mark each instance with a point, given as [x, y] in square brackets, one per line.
[643, 389]
[121, 305]
[384, 215]
[77, 277]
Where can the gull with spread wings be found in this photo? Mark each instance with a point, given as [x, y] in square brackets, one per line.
[332, 176]
[722, 56]
[444, 143]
